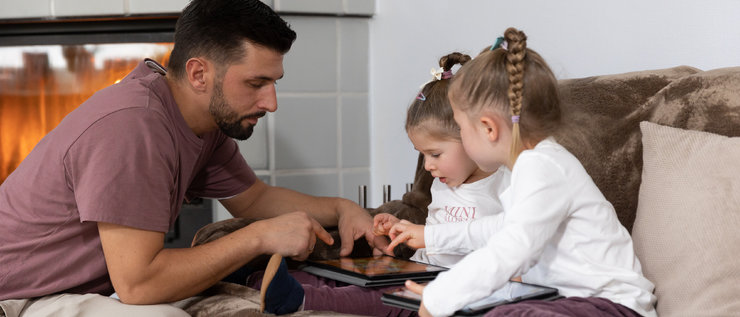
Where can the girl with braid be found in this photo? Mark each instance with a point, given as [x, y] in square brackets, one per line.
[558, 229]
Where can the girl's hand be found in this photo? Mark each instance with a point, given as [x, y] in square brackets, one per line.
[406, 232]
[383, 222]
[418, 289]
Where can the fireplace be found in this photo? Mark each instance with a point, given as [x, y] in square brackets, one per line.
[47, 69]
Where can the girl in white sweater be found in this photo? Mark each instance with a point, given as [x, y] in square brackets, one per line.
[461, 192]
[558, 229]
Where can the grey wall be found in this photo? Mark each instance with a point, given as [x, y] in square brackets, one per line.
[317, 142]
[578, 38]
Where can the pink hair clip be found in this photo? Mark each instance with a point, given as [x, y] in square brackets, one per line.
[514, 119]
[421, 96]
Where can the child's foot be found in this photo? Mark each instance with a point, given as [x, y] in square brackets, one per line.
[280, 293]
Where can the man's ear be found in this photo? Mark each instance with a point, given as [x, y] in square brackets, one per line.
[490, 126]
[197, 71]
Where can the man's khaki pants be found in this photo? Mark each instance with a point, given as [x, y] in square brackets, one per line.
[64, 305]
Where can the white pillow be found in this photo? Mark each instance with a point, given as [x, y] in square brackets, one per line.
[687, 228]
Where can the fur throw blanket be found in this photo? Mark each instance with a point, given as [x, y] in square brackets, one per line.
[602, 115]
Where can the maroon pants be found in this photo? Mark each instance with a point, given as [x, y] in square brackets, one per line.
[329, 295]
[564, 307]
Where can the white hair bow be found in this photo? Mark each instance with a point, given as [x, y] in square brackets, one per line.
[436, 74]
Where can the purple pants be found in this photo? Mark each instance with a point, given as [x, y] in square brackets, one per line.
[564, 307]
[329, 295]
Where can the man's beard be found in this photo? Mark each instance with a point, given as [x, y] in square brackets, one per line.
[227, 120]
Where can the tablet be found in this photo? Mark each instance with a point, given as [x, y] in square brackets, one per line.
[511, 292]
[380, 270]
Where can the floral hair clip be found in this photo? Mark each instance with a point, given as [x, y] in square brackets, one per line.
[438, 74]
[500, 42]
[421, 96]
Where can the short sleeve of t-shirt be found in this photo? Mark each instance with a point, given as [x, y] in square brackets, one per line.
[123, 170]
[225, 174]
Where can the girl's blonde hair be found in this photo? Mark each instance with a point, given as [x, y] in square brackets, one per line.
[431, 109]
[514, 81]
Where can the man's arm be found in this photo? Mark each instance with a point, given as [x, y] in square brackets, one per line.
[262, 201]
[143, 272]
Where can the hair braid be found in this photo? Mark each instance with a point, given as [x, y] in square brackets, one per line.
[516, 52]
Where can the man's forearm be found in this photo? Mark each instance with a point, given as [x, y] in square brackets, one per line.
[264, 201]
[174, 274]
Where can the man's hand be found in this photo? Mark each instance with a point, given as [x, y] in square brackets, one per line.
[406, 232]
[291, 235]
[355, 222]
[383, 222]
[418, 289]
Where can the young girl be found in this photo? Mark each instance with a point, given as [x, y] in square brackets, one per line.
[460, 191]
[558, 228]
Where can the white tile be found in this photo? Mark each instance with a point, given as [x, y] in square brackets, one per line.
[354, 55]
[10, 9]
[351, 181]
[255, 149]
[355, 132]
[164, 6]
[220, 212]
[311, 64]
[359, 7]
[270, 3]
[306, 133]
[74, 8]
[309, 6]
[311, 184]
[159, 6]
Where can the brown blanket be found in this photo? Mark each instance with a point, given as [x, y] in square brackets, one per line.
[602, 115]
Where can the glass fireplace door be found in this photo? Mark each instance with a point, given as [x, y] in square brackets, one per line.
[40, 84]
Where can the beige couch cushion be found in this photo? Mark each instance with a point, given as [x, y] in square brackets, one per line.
[687, 228]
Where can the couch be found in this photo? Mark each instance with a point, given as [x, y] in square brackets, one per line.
[664, 148]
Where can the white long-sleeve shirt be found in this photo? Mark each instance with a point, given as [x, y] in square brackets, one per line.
[452, 209]
[558, 231]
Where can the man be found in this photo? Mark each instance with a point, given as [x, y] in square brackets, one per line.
[86, 212]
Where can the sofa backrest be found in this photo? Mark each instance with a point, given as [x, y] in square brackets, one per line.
[602, 115]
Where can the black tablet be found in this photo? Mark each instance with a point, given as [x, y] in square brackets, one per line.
[511, 292]
[373, 271]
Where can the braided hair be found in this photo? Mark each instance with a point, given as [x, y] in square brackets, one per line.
[514, 81]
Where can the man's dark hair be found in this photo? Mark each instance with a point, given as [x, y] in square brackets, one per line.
[217, 29]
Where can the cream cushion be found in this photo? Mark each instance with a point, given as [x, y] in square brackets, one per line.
[687, 227]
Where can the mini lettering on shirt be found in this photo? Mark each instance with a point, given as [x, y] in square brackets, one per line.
[459, 214]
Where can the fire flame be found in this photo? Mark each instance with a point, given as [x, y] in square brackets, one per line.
[35, 97]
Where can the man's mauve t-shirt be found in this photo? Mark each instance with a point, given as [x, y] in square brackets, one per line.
[125, 156]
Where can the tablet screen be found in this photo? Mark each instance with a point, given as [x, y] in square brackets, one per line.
[380, 266]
